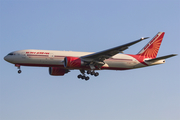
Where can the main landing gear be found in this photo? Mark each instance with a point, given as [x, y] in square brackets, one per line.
[93, 73]
[18, 66]
[83, 75]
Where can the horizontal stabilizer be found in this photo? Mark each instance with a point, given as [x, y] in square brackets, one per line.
[161, 58]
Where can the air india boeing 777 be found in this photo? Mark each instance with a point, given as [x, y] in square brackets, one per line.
[61, 62]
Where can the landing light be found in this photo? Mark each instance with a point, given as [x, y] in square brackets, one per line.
[142, 38]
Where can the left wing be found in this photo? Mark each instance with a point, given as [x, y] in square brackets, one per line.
[106, 54]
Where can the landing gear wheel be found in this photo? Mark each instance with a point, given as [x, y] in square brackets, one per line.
[92, 73]
[96, 74]
[79, 76]
[19, 71]
[83, 77]
[86, 78]
[88, 72]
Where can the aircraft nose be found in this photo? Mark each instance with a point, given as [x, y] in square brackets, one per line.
[6, 58]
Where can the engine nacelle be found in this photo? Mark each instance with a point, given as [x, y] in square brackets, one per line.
[72, 62]
[56, 71]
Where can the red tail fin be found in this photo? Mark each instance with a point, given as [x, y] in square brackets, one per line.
[152, 48]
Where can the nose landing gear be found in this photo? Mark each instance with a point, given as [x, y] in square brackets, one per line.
[18, 66]
[19, 71]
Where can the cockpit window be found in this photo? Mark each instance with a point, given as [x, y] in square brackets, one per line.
[10, 54]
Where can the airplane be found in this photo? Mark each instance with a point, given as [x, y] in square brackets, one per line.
[62, 62]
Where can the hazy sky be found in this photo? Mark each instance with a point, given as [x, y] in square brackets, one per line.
[151, 93]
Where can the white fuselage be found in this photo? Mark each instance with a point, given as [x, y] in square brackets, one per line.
[50, 58]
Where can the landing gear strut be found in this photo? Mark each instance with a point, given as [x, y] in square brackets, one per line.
[18, 66]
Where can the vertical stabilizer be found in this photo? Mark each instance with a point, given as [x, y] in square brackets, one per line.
[152, 48]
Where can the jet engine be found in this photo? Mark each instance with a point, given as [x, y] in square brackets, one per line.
[56, 71]
[73, 62]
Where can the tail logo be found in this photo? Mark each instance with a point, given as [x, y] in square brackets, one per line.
[152, 48]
